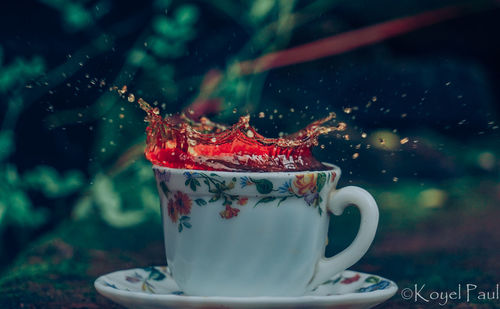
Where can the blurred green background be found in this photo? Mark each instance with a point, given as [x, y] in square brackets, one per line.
[421, 104]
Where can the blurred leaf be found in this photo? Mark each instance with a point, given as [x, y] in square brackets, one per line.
[150, 199]
[19, 71]
[164, 26]
[138, 57]
[11, 175]
[110, 204]
[3, 210]
[21, 211]
[161, 48]
[6, 144]
[261, 8]
[186, 14]
[76, 16]
[47, 180]
[83, 208]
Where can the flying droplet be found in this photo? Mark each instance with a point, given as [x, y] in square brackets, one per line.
[347, 110]
[404, 141]
[131, 98]
[123, 90]
[355, 155]
[262, 115]
[364, 135]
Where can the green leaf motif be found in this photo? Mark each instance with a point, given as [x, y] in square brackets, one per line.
[164, 188]
[193, 183]
[267, 199]
[200, 202]
[282, 200]
[264, 186]
[372, 279]
[214, 198]
[156, 275]
[320, 182]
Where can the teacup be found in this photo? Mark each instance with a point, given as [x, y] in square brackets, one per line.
[257, 233]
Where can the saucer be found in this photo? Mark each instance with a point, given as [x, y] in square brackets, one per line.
[154, 287]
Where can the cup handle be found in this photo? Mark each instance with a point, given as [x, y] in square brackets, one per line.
[338, 200]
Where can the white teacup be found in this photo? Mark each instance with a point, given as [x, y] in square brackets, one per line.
[257, 234]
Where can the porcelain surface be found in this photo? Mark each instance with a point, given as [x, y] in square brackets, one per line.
[154, 287]
[256, 234]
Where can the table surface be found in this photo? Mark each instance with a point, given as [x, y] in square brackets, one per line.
[462, 247]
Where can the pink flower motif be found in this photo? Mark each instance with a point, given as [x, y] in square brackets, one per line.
[351, 280]
[229, 212]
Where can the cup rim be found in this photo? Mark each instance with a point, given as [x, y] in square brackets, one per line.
[334, 168]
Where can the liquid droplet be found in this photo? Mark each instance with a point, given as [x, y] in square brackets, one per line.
[131, 98]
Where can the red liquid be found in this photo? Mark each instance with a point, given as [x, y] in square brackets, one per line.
[179, 142]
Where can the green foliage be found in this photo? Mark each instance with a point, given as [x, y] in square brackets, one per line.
[126, 200]
[19, 71]
[73, 12]
[6, 144]
[16, 206]
[260, 9]
[47, 180]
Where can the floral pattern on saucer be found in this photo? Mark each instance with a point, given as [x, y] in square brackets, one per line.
[158, 280]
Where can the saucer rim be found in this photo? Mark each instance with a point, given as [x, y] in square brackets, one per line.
[359, 297]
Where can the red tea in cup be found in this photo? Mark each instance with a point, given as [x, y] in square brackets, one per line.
[180, 142]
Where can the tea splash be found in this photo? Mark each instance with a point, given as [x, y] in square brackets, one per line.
[180, 142]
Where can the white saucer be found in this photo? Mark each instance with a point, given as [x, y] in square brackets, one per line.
[153, 287]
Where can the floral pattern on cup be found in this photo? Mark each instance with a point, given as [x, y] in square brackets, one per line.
[178, 207]
[305, 186]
